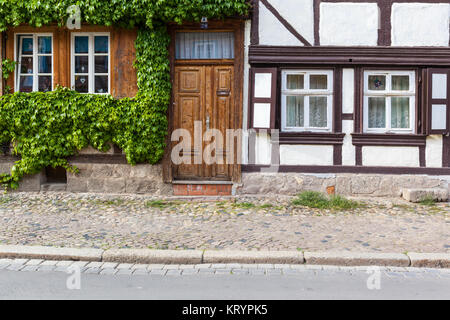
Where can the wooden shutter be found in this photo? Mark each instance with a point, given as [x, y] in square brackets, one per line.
[263, 97]
[438, 101]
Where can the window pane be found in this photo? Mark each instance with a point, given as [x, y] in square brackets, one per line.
[295, 111]
[27, 46]
[82, 84]
[45, 45]
[81, 64]
[318, 81]
[400, 83]
[26, 65]
[377, 83]
[26, 84]
[377, 112]
[318, 112]
[101, 44]
[101, 64]
[81, 44]
[295, 81]
[204, 45]
[45, 83]
[45, 64]
[101, 84]
[400, 112]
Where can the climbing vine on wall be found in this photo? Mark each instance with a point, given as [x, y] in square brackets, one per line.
[47, 128]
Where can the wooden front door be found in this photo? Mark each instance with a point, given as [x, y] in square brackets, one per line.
[204, 93]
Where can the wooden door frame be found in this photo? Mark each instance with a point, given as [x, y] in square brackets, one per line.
[238, 27]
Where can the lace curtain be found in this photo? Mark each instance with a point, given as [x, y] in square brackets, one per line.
[204, 45]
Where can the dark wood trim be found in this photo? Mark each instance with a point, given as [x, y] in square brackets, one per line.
[316, 8]
[111, 159]
[384, 33]
[348, 116]
[350, 56]
[254, 37]
[422, 156]
[446, 151]
[352, 169]
[272, 100]
[337, 155]
[358, 108]
[358, 155]
[285, 23]
[431, 101]
[311, 138]
[397, 140]
[337, 100]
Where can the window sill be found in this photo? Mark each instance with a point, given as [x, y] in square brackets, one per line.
[389, 139]
[311, 138]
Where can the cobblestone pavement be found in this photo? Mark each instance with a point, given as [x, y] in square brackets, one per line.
[256, 223]
[111, 268]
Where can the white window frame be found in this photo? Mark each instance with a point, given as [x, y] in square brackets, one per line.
[91, 60]
[388, 94]
[18, 55]
[307, 92]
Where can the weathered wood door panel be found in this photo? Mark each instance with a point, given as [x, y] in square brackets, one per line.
[204, 94]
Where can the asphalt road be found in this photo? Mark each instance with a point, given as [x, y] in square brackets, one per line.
[311, 284]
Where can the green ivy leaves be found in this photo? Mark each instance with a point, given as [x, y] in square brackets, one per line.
[47, 128]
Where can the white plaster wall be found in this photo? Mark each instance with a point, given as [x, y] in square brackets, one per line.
[348, 149]
[420, 24]
[349, 24]
[306, 155]
[299, 14]
[272, 32]
[391, 156]
[348, 90]
[247, 30]
[434, 151]
[263, 151]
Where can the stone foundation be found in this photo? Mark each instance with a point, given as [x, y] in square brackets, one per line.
[343, 184]
[102, 178]
[118, 178]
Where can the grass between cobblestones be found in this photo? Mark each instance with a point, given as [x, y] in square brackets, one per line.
[317, 200]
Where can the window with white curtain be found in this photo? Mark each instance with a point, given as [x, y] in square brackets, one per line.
[90, 63]
[35, 57]
[307, 100]
[389, 101]
[204, 45]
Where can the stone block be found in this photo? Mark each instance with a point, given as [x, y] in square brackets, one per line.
[430, 260]
[417, 195]
[147, 256]
[356, 259]
[50, 253]
[271, 257]
[96, 185]
[75, 184]
[115, 185]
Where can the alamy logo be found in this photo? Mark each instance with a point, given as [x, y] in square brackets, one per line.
[74, 280]
[374, 280]
[74, 20]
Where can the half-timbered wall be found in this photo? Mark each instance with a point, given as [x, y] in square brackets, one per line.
[352, 38]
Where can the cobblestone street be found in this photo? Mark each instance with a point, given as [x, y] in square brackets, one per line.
[105, 221]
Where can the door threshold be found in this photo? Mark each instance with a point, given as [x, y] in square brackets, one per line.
[202, 182]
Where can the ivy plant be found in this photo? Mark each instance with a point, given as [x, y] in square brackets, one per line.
[47, 128]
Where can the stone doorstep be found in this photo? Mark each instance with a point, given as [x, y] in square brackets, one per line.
[418, 194]
[202, 188]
